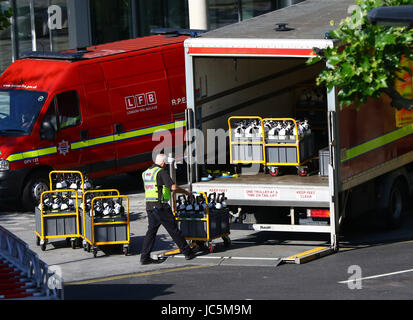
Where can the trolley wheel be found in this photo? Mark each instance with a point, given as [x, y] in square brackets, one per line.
[95, 252]
[43, 246]
[88, 247]
[201, 245]
[126, 250]
[37, 241]
[302, 171]
[274, 171]
[68, 242]
[211, 248]
[227, 242]
[73, 243]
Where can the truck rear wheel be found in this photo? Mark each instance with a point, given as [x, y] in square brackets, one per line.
[396, 205]
[36, 184]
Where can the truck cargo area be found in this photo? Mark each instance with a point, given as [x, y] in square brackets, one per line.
[273, 87]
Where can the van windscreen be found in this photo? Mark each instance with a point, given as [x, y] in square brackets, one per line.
[19, 110]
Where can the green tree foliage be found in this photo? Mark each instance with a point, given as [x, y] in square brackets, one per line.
[367, 61]
[5, 15]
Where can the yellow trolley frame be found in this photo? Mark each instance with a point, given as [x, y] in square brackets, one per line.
[92, 242]
[86, 245]
[84, 202]
[207, 241]
[240, 143]
[42, 237]
[299, 164]
[66, 172]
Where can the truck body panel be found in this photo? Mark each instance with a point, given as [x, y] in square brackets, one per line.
[365, 148]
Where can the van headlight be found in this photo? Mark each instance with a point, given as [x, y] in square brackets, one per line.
[4, 165]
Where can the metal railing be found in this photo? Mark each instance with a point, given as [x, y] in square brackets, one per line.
[48, 283]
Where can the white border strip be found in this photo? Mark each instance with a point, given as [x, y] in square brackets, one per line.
[257, 43]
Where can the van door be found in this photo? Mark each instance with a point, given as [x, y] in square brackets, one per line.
[140, 102]
[97, 135]
[64, 114]
[174, 60]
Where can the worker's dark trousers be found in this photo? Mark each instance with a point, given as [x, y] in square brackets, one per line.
[164, 216]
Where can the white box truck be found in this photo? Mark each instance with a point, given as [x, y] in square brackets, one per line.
[258, 68]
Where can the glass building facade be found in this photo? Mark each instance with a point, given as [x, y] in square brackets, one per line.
[37, 25]
[42, 25]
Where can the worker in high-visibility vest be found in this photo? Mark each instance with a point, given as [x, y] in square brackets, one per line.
[158, 186]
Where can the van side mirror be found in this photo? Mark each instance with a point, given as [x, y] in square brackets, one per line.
[47, 131]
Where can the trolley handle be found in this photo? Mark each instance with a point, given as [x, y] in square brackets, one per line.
[100, 191]
[66, 172]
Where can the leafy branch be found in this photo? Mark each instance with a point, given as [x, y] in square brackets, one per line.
[5, 16]
[368, 61]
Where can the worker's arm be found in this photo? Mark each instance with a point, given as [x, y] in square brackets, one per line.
[166, 180]
[177, 189]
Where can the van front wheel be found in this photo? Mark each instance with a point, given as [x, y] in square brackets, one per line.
[36, 184]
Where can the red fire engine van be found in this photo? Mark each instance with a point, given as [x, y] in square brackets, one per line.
[93, 110]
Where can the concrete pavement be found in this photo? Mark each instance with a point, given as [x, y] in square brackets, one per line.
[247, 248]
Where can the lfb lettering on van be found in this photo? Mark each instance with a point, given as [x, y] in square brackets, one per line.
[140, 100]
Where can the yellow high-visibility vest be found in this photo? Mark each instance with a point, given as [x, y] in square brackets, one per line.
[151, 186]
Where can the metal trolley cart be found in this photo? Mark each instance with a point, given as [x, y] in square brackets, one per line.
[57, 217]
[203, 226]
[292, 148]
[246, 140]
[85, 208]
[103, 231]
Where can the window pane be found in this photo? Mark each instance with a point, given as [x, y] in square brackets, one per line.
[178, 15]
[53, 36]
[4, 104]
[24, 32]
[150, 15]
[50, 115]
[253, 8]
[58, 26]
[222, 12]
[40, 22]
[111, 20]
[19, 110]
[68, 108]
[5, 42]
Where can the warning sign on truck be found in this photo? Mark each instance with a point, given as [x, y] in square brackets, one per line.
[306, 195]
[262, 193]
